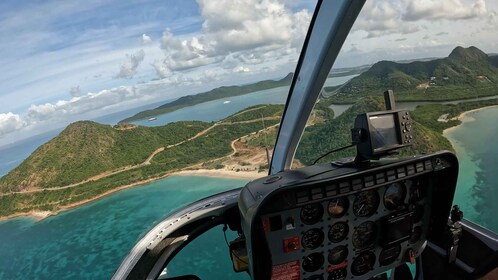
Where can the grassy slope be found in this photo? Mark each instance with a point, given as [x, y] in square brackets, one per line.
[470, 73]
[214, 144]
[85, 149]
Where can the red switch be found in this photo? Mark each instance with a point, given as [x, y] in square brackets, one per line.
[291, 244]
[410, 255]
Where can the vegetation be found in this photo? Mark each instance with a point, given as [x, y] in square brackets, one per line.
[464, 74]
[103, 149]
[322, 138]
[429, 114]
[65, 170]
[217, 93]
[85, 149]
[257, 112]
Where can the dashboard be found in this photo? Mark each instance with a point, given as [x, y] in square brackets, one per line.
[325, 222]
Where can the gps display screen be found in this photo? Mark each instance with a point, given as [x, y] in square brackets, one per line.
[383, 131]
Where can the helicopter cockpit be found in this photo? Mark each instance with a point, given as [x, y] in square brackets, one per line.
[361, 218]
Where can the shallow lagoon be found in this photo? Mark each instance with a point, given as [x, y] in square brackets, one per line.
[89, 242]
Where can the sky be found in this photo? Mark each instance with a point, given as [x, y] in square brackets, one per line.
[64, 61]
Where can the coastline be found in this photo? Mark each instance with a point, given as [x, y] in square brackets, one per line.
[216, 173]
[221, 173]
[461, 117]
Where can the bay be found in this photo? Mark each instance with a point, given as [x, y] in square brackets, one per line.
[89, 242]
[474, 141]
[12, 155]
[218, 109]
[340, 108]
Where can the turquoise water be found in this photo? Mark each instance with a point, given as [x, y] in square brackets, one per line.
[217, 109]
[89, 242]
[477, 151]
[12, 155]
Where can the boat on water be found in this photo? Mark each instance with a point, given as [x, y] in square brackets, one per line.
[226, 102]
[152, 119]
[370, 217]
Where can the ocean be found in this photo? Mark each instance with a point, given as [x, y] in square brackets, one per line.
[475, 145]
[89, 242]
[13, 154]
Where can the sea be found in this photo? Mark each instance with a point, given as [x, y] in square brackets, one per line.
[90, 241]
[477, 150]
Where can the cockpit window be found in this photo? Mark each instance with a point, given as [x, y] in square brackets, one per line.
[441, 64]
[173, 101]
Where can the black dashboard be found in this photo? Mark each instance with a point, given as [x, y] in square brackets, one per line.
[326, 222]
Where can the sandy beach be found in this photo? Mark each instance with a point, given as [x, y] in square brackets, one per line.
[217, 173]
[222, 173]
[462, 116]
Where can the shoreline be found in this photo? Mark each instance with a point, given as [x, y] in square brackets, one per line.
[221, 173]
[215, 173]
[461, 116]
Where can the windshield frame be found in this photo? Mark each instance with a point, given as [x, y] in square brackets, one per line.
[328, 30]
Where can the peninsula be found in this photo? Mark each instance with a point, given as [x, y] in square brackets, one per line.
[89, 160]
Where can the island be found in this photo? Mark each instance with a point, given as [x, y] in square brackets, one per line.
[89, 160]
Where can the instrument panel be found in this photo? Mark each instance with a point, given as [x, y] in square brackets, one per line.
[353, 234]
[326, 222]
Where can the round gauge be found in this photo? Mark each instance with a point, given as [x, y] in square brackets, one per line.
[313, 262]
[388, 255]
[363, 263]
[314, 277]
[394, 196]
[338, 254]
[416, 234]
[338, 207]
[416, 191]
[364, 235]
[338, 274]
[418, 214]
[338, 232]
[366, 203]
[311, 213]
[312, 238]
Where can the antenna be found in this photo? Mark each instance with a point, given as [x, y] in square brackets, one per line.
[389, 100]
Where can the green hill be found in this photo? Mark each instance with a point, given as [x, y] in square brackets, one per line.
[319, 139]
[85, 149]
[217, 93]
[63, 171]
[465, 73]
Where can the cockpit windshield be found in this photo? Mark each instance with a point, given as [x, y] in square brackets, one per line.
[170, 98]
[442, 67]
[115, 114]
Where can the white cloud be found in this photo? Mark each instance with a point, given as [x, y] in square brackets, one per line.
[244, 30]
[492, 20]
[382, 18]
[10, 122]
[241, 69]
[129, 68]
[79, 105]
[146, 39]
[444, 9]
[162, 69]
